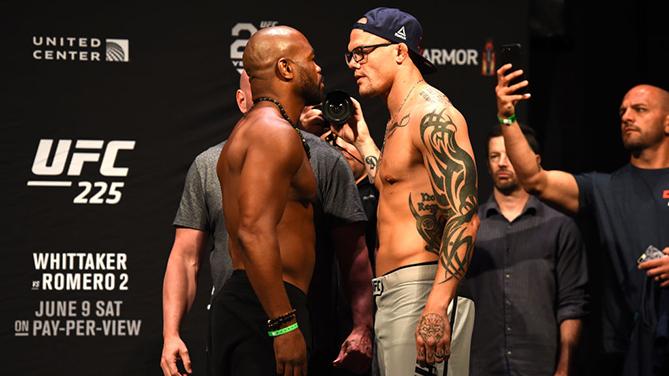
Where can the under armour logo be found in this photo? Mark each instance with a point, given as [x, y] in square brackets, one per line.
[401, 33]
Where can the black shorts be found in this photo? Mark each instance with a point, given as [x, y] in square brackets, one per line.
[238, 342]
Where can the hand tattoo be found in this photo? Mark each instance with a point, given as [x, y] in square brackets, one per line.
[431, 328]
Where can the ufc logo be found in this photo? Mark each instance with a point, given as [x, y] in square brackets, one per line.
[85, 151]
[377, 286]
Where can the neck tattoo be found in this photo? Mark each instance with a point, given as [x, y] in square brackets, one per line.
[394, 124]
[284, 114]
[406, 97]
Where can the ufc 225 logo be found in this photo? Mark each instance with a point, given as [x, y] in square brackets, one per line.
[243, 31]
[66, 159]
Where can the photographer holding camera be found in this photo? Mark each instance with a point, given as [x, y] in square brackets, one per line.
[631, 210]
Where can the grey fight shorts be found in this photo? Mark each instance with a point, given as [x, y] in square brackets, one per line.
[400, 298]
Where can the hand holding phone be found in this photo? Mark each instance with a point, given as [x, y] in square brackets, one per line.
[513, 53]
[651, 253]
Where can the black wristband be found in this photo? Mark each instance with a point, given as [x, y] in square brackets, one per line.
[275, 323]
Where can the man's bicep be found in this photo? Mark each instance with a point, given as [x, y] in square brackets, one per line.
[191, 211]
[264, 184]
[450, 166]
[561, 189]
[189, 241]
[468, 162]
[449, 160]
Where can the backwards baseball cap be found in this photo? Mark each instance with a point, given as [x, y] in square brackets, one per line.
[399, 27]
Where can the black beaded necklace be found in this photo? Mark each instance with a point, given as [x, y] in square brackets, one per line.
[284, 114]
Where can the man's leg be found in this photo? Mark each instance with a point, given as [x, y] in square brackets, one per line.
[401, 301]
[401, 296]
[239, 342]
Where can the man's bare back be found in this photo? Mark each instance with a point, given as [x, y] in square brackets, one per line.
[257, 139]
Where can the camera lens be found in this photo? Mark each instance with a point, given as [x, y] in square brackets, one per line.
[337, 107]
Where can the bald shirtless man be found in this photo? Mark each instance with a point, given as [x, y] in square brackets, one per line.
[427, 219]
[268, 187]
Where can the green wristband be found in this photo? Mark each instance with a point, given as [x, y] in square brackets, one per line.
[288, 329]
[508, 121]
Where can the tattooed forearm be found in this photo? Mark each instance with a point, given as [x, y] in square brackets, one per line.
[453, 178]
[429, 221]
[372, 163]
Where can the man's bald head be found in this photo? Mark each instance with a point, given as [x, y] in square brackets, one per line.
[644, 115]
[281, 64]
[269, 45]
[657, 93]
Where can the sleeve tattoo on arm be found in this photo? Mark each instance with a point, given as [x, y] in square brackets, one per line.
[453, 178]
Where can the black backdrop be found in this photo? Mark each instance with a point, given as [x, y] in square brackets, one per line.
[166, 95]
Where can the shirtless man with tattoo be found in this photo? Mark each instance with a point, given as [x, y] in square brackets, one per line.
[427, 222]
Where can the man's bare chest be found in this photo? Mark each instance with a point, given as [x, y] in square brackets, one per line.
[399, 156]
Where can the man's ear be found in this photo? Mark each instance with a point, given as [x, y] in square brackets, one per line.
[401, 53]
[241, 101]
[666, 124]
[285, 69]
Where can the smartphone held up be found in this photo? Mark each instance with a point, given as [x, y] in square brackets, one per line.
[513, 53]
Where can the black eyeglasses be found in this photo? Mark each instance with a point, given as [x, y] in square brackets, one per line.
[360, 53]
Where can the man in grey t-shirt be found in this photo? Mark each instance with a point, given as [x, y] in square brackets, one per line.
[339, 224]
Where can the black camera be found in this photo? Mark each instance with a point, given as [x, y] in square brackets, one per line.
[337, 107]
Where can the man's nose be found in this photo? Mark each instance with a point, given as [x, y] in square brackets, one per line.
[503, 160]
[352, 64]
[626, 116]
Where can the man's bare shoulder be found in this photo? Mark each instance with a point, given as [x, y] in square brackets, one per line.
[264, 130]
[262, 135]
[433, 96]
[264, 123]
[433, 102]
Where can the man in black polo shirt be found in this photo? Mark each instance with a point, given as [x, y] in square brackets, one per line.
[527, 277]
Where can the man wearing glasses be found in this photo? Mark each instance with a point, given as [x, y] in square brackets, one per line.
[427, 220]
